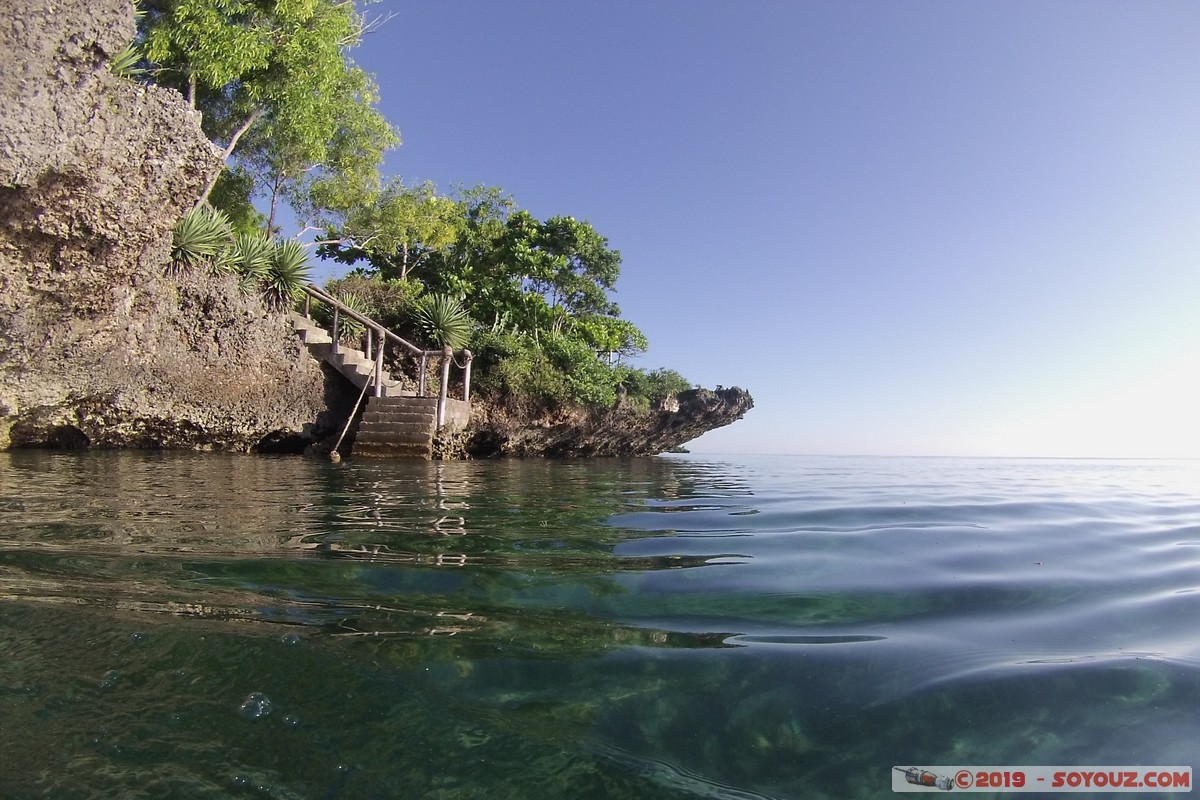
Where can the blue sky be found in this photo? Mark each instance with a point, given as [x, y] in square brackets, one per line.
[910, 228]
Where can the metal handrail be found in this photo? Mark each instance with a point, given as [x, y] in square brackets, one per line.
[312, 291]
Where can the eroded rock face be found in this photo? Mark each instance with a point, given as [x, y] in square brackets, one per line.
[99, 346]
[620, 431]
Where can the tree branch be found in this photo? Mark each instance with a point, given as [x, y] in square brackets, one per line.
[253, 118]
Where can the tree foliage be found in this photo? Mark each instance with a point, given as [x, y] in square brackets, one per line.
[277, 91]
[395, 231]
[540, 290]
[509, 269]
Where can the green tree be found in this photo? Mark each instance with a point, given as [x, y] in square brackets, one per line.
[513, 270]
[396, 231]
[277, 91]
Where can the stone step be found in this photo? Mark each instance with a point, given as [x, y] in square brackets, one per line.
[411, 403]
[398, 428]
[314, 336]
[372, 450]
[388, 417]
[393, 437]
[352, 358]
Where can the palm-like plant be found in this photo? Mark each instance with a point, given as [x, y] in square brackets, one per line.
[348, 327]
[199, 238]
[250, 256]
[443, 319]
[125, 63]
[286, 275]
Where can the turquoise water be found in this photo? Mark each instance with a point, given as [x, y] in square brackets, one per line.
[675, 627]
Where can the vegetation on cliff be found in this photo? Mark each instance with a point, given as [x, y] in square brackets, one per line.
[296, 121]
[294, 117]
[533, 296]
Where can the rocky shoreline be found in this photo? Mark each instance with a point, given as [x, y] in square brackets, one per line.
[101, 345]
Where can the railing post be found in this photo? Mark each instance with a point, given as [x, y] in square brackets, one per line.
[447, 355]
[307, 301]
[379, 368]
[467, 376]
[421, 375]
[367, 349]
[334, 332]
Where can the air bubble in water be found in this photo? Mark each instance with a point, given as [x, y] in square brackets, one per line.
[256, 706]
[290, 639]
[291, 721]
[110, 679]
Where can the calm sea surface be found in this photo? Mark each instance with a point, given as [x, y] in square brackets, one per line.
[195, 626]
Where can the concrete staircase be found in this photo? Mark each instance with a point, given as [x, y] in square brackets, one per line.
[354, 364]
[397, 427]
[396, 423]
[405, 427]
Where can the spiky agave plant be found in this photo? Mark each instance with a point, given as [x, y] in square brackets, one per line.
[286, 275]
[443, 319]
[348, 327]
[199, 238]
[249, 256]
[125, 63]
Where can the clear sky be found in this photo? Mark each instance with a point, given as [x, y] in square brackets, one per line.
[911, 228]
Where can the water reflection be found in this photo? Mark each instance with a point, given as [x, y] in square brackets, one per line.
[352, 550]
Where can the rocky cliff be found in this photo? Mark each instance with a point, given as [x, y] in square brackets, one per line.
[97, 345]
[625, 430]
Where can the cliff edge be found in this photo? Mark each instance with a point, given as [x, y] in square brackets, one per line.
[625, 430]
[98, 346]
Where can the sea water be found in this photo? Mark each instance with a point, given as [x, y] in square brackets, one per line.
[195, 626]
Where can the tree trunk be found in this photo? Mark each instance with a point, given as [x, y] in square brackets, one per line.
[275, 187]
[233, 141]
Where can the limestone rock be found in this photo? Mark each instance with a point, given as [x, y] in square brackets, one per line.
[98, 345]
[620, 431]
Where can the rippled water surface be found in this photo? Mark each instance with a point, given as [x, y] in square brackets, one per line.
[231, 626]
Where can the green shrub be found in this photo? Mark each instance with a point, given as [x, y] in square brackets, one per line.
[125, 63]
[512, 366]
[348, 327]
[443, 319]
[589, 380]
[665, 382]
[200, 238]
[286, 275]
[644, 387]
[388, 302]
[249, 256]
[558, 369]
